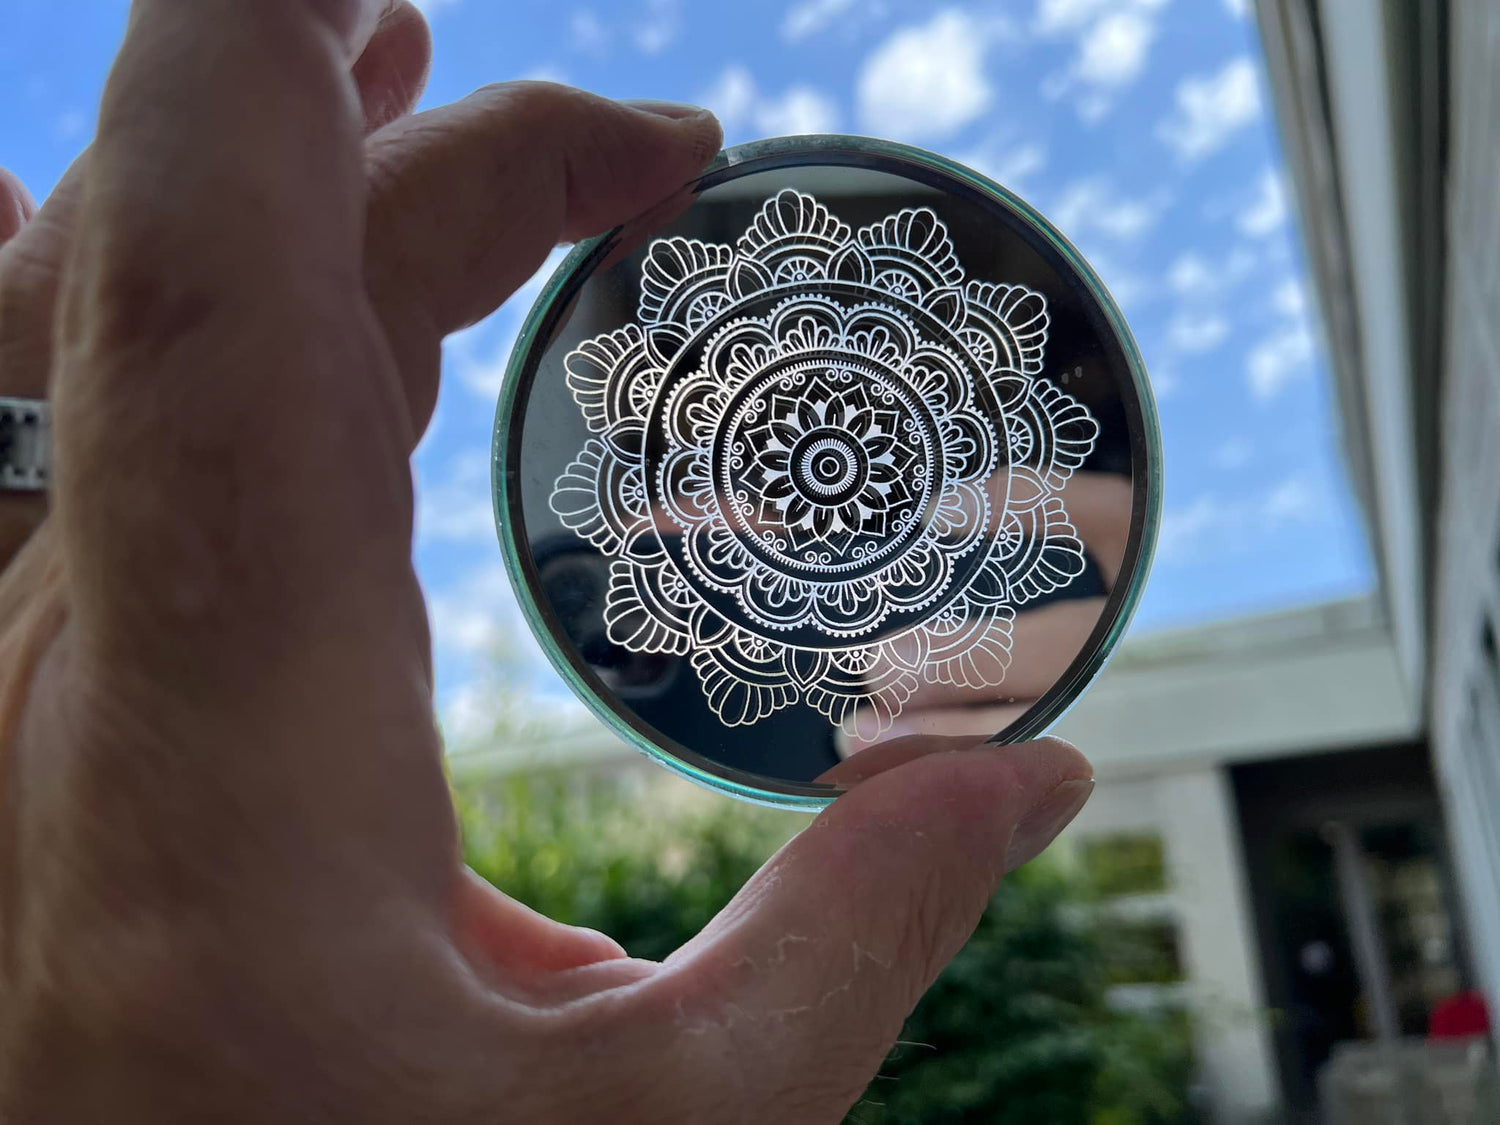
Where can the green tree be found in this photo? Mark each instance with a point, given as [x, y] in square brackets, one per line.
[1018, 1029]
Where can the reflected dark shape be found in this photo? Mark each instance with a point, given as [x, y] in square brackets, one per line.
[834, 465]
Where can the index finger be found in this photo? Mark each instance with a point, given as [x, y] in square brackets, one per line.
[216, 351]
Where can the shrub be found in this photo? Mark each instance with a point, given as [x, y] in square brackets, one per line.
[1018, 1029]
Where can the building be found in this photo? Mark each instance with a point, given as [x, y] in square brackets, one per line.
[1313, 797]
[1353, 749]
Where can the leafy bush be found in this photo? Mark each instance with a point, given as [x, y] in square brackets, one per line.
[1017, 1030]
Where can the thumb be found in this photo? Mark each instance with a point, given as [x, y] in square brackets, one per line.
[810, 972]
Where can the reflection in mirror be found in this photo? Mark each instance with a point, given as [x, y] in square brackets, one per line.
[833, 456]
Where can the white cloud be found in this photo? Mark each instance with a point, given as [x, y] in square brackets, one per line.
[812, 16]
[478, 630]
[1266, 212]
[733, 95]
[1194, 334]
[927, 81]
[1190, 274]
[469, 617]
[546, 72]
[587, 33]
[800, 110]
[457, 508]
[1240, 9]
[1010, 168]
[1113, 52]
[1114, 41]
[652, 29]
[1091, 204]
[1128, 288]
[1280, 359]
[1285, 354]
[71, 124]
[1056, 17]
[429, 7]
[1193, 278]
[472, 710]
[1235, 453]
[1293, 500]
[1289, 299]
[737, 101]
[657, 28]
[1217, 525]
[1211, 109]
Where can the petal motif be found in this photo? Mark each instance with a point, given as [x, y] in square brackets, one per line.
[598, 497]
[1063, 430]
[969, 645]
[1048, 557]
[912, 254]
[863, 690]
[611, 377]
[794, 236]
[684, 281]
[1006, 329]
[640, 614]
[744, 679]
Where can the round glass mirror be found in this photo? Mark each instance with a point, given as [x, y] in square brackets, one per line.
[843, 444]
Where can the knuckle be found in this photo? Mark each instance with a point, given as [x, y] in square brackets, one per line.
[539, 104]
[135, 306]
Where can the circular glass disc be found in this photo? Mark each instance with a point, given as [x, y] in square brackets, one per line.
[842, 445]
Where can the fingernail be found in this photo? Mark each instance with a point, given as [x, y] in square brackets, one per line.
[1041, 825]
[676, 111]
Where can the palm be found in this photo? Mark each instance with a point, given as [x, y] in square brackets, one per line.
[229, 872]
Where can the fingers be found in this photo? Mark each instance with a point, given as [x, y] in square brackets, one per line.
[389, 77]
[466, 200]
[16, 205]
[218, 353]
[511, 941]
[806, 977]
[392, 71]
[247, 112]
[30, 267]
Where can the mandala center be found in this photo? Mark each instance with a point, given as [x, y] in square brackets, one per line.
[828, 467]
[792, 464]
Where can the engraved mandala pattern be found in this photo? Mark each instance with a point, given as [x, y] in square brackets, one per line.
[825, 464]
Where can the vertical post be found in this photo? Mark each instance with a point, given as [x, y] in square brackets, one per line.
[1370, 960]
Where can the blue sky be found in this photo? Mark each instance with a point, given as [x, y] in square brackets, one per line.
[1140, 127]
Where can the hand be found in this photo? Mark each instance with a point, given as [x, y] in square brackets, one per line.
[229, 878]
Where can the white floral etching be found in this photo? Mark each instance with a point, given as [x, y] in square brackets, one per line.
[825, 464]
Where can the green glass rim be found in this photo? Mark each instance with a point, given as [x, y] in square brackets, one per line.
[837, 149]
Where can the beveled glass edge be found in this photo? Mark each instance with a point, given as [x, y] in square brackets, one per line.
[1043, 716]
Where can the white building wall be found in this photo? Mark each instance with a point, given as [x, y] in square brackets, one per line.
[1466, 680]
[1193, 812]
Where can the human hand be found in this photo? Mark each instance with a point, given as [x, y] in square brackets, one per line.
[230, 885]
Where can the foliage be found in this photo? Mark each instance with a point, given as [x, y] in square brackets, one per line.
[1017, 1029]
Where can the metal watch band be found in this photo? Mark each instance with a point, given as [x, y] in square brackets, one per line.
[25, 444]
